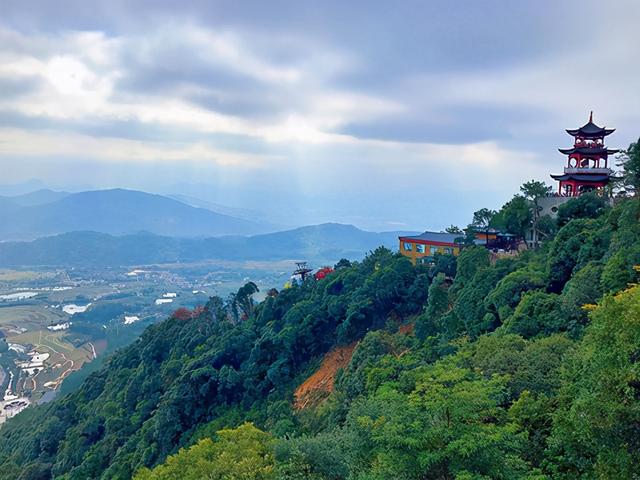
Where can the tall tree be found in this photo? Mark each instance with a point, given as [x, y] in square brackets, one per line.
[534, 191]
[514, 217]
[482, 219]
[244, 299]
[630, 162]
[438, 302]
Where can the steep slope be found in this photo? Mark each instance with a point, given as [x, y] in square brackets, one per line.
[507, 376]
[119, 212]
[181, 374]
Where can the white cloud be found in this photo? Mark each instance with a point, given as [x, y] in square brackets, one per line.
[229, 50]
[80, 84]
[14, 142]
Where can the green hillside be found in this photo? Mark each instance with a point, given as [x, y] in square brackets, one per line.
[512, 372]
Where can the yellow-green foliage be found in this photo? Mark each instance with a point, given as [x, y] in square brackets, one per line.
[596, 426]
[244, 453]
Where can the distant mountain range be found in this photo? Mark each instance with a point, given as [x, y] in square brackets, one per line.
[128, 227]
[37, 197]
[243, 213]
[116, 212]
[326, 242]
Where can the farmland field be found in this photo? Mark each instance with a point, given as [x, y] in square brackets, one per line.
[20, 275]
[109, 294]
[31, 317]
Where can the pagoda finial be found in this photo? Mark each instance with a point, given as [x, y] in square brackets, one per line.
[591, 116]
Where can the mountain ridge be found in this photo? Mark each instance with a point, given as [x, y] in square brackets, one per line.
[117, 212]
[37, 197]
[328, 241]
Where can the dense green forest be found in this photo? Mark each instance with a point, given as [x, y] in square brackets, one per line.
[474, 367]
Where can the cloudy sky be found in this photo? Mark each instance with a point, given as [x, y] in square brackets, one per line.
[388, 115]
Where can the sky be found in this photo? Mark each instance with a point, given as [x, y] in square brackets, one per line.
[388, 115]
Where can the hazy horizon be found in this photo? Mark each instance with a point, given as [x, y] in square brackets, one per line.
[386, 117]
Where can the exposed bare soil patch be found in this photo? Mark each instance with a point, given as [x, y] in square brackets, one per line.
[319, 385]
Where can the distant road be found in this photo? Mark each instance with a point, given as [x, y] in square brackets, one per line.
[93, 350]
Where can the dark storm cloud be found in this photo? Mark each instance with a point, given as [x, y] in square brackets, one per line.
[168, 62]
[242, 73]
[127, 129]
[176, 70]
[166, 75]
[455, 124]
[392, 37]
[252, 104]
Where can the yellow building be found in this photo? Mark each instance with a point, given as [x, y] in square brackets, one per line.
[422, 248]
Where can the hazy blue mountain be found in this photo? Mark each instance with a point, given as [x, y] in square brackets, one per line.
[22, 187]
[117, 212]
[7, 209]
[243, 213]
[37, 197]
[215, 207]
[328, 240]
[318, 243]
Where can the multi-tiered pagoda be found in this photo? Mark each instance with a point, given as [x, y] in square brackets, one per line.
[588, 161]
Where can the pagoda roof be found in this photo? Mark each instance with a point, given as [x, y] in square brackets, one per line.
[582, 177]
[591, 130]
[588, 150]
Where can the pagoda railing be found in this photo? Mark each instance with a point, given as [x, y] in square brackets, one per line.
[607, 171]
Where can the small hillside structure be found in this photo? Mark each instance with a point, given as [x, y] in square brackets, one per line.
[422, 248]
[495, 240]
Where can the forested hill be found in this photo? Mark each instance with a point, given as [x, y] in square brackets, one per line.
[321, 243]
[467, 369]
